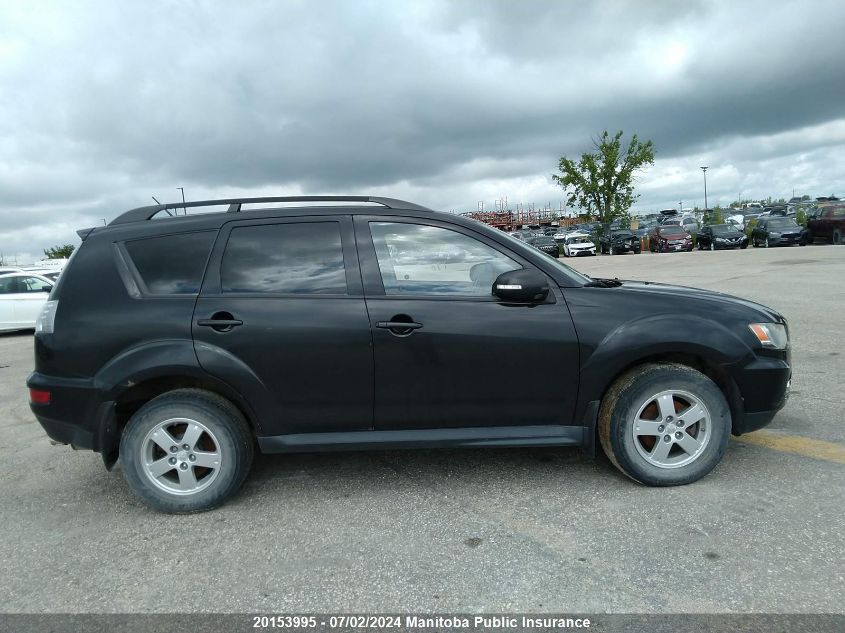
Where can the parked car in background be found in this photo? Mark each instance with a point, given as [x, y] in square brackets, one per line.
[578, 243]
[719, 236]
[827, 224]
[22, 297]
[5, 270]
[620, 241]
[545, 244]
[669, 239]
[778, 231]
[687, 223]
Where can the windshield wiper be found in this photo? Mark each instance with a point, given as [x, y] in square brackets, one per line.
[603, 283]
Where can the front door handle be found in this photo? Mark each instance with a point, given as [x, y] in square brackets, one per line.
[399, 325]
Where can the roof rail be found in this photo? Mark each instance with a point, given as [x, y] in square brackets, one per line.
[146, 213]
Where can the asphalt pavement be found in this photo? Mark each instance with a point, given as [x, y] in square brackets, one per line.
[493, 530]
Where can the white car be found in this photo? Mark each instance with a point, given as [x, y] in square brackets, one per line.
[22, 297]
[578, 244]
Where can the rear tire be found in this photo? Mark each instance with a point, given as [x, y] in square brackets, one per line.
[837, 237]
[645, 406]
[187, 450]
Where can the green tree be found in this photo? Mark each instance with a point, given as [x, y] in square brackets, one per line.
[602, 182]
[59, 252]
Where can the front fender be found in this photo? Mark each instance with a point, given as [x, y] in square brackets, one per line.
[656, 335]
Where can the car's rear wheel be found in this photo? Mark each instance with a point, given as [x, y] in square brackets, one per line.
[837, 237]
[186, 451]
[664, 424]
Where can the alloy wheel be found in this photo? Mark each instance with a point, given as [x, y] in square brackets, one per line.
[671, 429]
[180, 456]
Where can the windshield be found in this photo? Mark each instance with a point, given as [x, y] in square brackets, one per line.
[672, 230]
[723, 229]
[781, 223]
[623, 234]
[578, 239]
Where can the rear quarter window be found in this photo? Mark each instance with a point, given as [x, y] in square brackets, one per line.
[171, 264]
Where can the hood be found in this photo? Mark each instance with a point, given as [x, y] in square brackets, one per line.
[718, 301]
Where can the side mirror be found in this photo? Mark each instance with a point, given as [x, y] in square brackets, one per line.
[521, 286]
[46, 288]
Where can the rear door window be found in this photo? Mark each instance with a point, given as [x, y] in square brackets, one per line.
[284, 258]
[171, 264]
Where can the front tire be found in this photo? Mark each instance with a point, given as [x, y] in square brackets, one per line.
[664, 424]
[187, 450]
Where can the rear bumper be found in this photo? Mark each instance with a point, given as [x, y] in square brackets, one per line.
[75, 414]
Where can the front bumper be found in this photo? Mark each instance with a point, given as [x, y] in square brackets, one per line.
[763, 389]
[786, 240]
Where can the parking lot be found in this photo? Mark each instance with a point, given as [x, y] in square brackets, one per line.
[541, 529]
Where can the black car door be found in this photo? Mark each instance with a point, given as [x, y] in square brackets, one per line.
[447, 353]
[281, 317]
[705, 237]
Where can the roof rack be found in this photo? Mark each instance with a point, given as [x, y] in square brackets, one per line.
[146, 213]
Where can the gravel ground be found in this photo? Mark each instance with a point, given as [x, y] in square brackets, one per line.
[460, 531]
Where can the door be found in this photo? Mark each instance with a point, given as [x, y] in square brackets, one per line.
[447, 353]
[282, 305]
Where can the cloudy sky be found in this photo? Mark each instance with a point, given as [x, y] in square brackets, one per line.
[104, 104]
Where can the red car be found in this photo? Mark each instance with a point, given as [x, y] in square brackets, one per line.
[828, 223]
[669, 239]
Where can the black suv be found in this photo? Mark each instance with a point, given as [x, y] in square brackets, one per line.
[619, 241]
[177, 344]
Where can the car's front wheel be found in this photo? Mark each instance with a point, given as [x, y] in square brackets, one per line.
[186, 451]
[664, 424]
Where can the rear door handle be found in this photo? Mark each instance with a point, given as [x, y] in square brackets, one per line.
[220, 321]
[398, 325]
[215, 323]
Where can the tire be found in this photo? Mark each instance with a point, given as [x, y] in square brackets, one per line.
[837, 237]
[219, 428]
[744, 246]
[612, 250]
[634, 396]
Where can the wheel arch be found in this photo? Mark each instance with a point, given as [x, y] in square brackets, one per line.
[139, 374]
[711, 353]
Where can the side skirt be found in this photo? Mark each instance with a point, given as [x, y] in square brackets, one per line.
[483, 436]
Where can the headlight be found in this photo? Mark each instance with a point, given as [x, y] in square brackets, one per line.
[774, 234]
[770, 335]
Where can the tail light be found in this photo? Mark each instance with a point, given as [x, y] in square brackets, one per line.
[47, 318]
[39, 396]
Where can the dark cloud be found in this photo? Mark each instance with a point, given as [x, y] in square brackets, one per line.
[103, 104]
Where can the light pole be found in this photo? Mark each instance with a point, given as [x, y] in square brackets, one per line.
[182, 189]
[704, 171]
